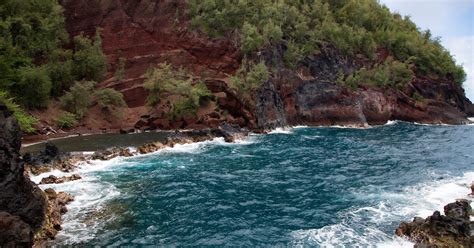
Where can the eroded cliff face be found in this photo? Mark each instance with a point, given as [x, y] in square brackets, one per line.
[22, 203]
[148, 32]
[311, 95]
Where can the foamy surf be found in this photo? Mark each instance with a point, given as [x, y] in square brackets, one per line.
[91, 194]
[281, 130]
[390, 123]
[360, 227]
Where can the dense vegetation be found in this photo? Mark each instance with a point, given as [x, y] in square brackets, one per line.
[164, 81]
[355, 27]
[34, 64]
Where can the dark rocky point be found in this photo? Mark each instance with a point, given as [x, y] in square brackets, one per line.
[454, 229]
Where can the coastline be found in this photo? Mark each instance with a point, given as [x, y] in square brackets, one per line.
[44, 138]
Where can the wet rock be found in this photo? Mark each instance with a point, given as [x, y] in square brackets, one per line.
[454, 229]
[112, 153]
[56, 180]
[231, 132]
[152, 147]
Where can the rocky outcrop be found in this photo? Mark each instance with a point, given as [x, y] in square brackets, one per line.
[27, 214]
[48, 159]
[56, 206]
[454, 229]
[22, 203]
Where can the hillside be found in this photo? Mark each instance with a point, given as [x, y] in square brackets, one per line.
[264, 64]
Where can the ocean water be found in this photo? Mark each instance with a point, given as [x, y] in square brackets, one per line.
[298, 187]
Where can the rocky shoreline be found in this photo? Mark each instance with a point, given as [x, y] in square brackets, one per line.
[453, 229]
[31, 216]
[51, 159]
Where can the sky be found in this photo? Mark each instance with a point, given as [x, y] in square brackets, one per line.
[452, 20]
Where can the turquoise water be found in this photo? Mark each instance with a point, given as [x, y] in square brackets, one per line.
[312, 187]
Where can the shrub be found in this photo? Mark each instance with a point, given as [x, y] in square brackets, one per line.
[120, 71]
[163, 80]
[78, 99]
[25, 120]
[66, 120]
[292, 55]
[249, 77]
[251, 38]
[108, 99]
[390, 73]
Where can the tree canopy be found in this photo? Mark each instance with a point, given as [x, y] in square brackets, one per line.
[354, 27]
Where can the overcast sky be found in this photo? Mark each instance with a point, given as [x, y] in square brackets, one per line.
[452, 20]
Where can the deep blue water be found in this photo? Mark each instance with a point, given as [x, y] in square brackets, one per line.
[303, 187]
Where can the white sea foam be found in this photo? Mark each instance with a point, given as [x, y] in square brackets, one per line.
[91, 194]
[389, 123]
[342, 235]
[36, 179]
[281, 130]
[359, 227]
[300, 126]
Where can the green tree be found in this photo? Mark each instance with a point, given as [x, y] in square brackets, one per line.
[163, 81]
[66, 120]
[90, 62]
[59, 70]
[109, 99]
[25, 120]
[250, 77]
[251, 38]
[33, 87]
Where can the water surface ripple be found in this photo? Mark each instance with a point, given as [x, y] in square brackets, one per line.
[307, 187]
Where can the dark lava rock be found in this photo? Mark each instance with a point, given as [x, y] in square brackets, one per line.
[56, 180]
[230, 132]
[452, 230]
[49, 154]
[20, 199]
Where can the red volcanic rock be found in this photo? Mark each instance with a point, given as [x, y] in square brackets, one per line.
[146, 32]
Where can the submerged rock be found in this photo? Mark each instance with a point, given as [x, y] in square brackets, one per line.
[454, 229]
